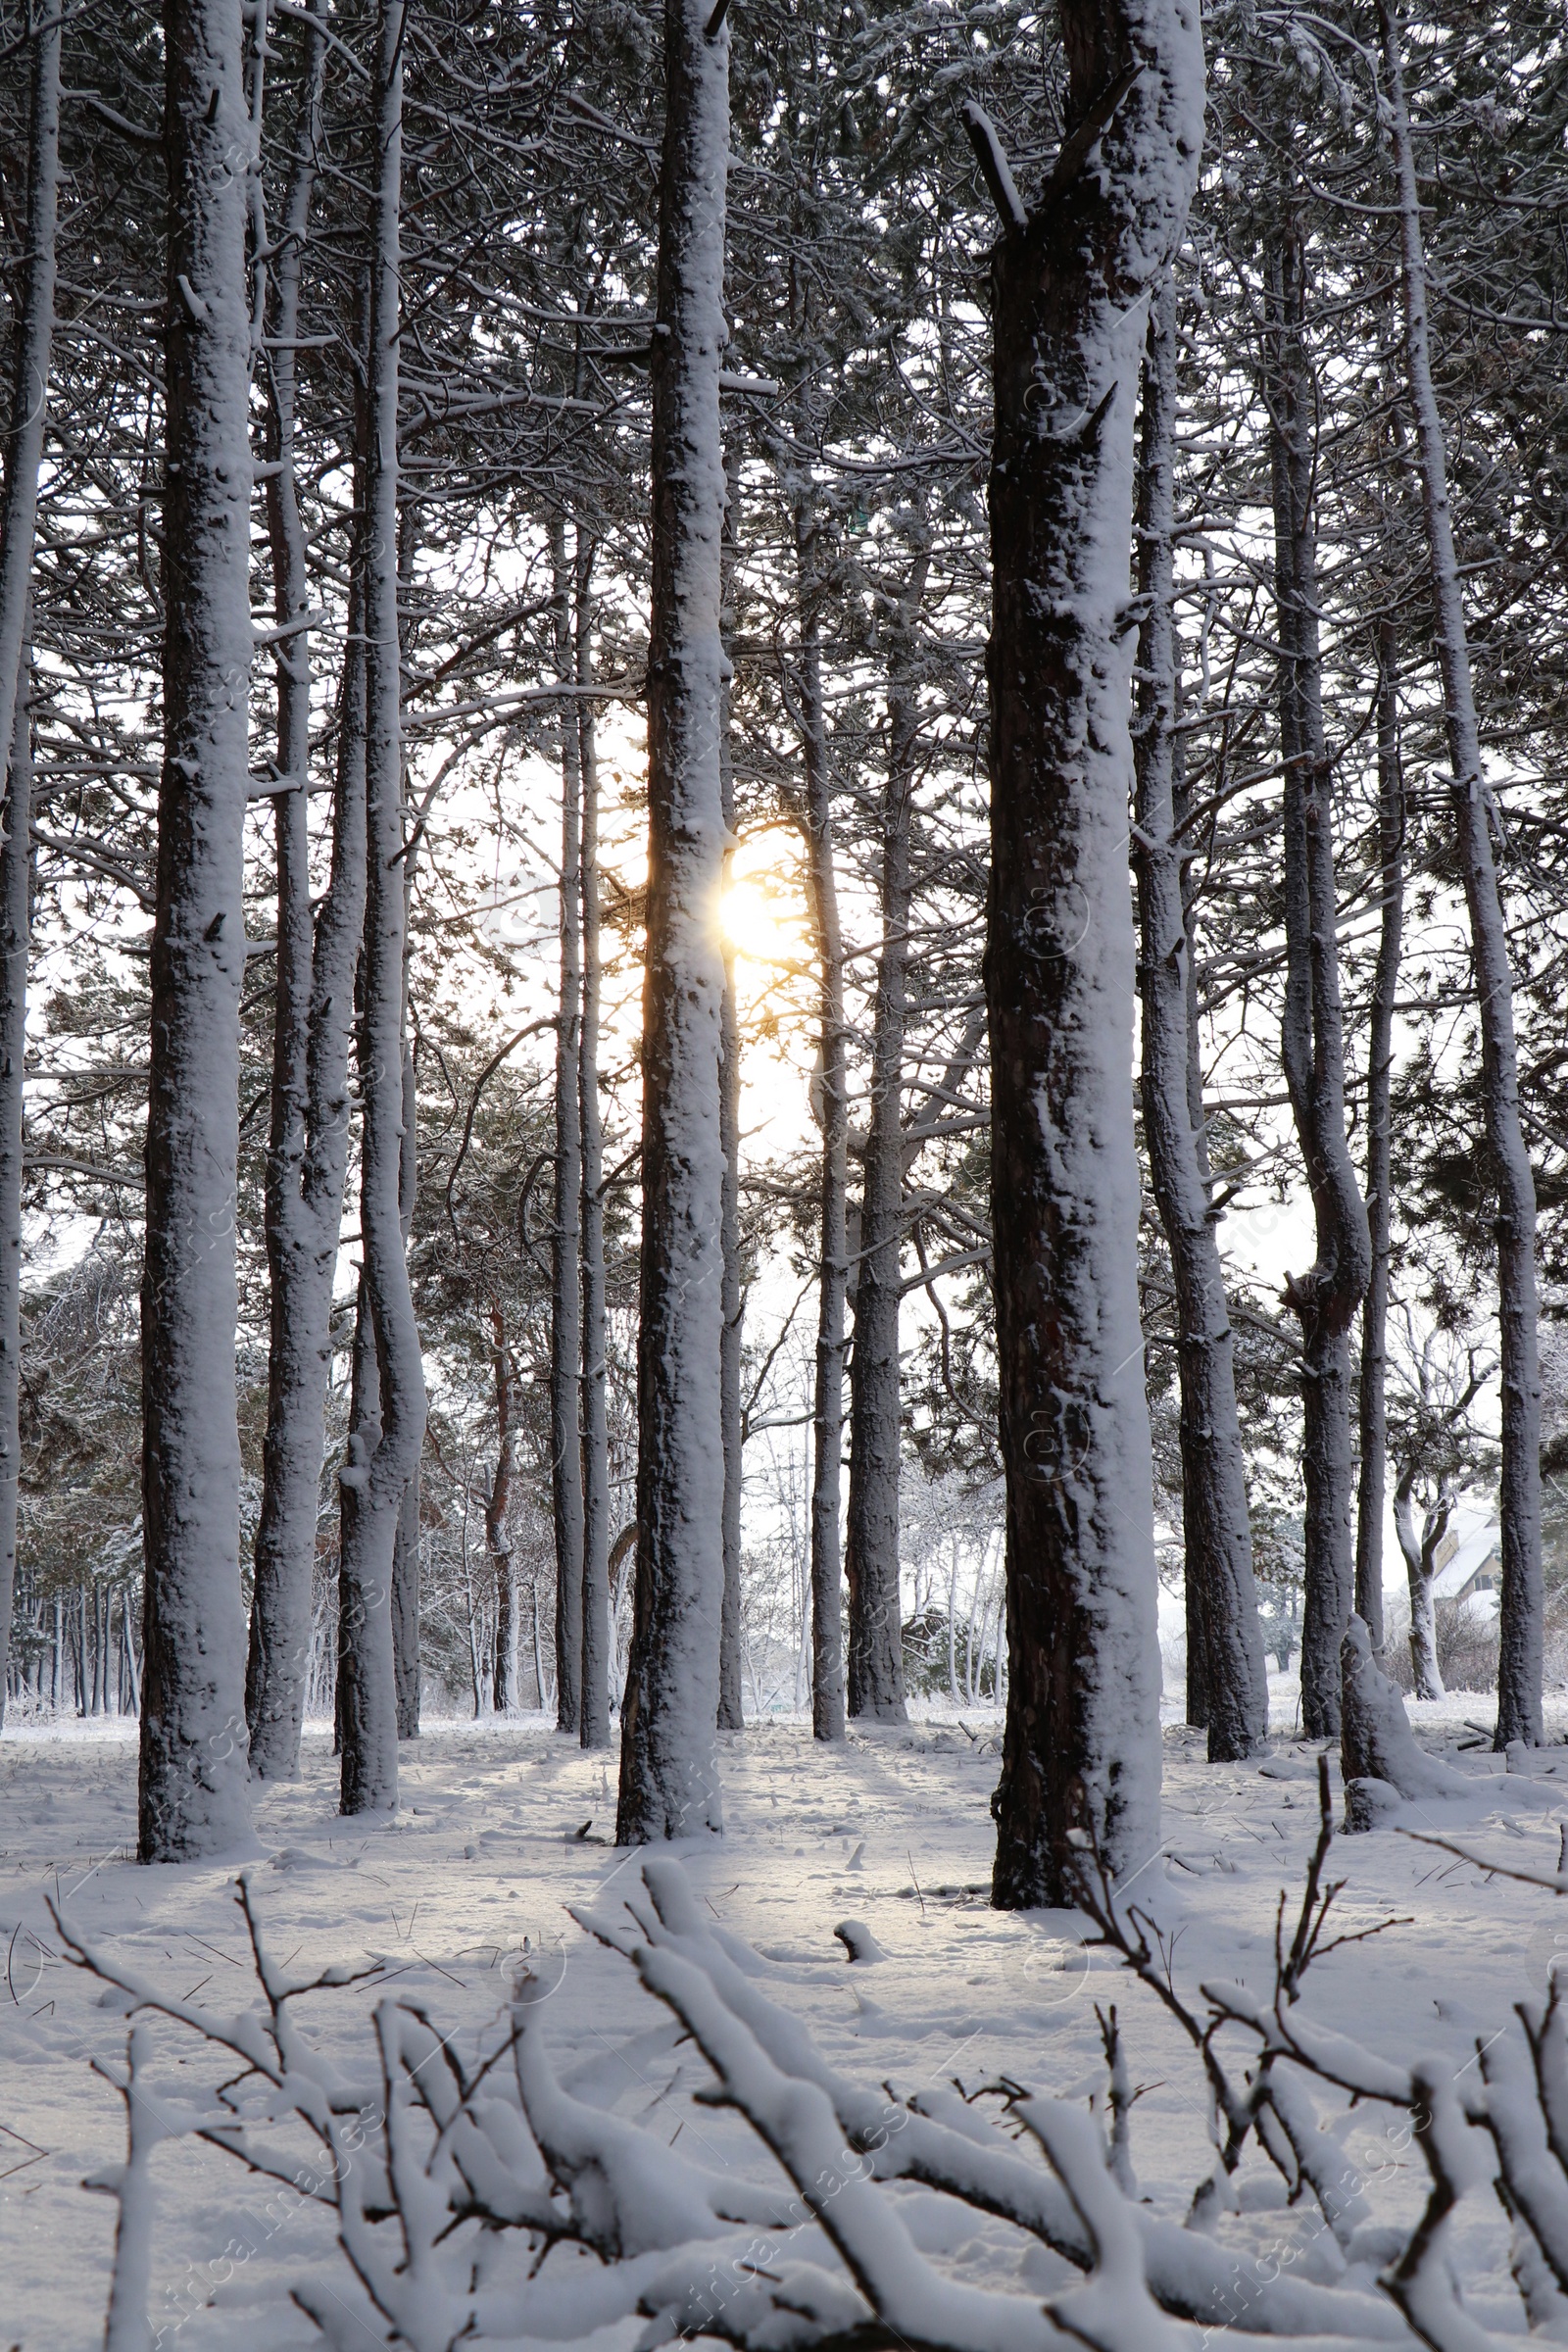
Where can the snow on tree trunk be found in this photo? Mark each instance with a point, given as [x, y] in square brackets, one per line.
[1372, 1400]
[391, 1457]
[872, 1558]
[1325, 1298]
[1217, 1533]
[1069, 288]
[33, 330]
[669, 1783]
[594, 1711]
[194, 1778]
[565, 1270]
[1421, 1568]
[731, 1642]
[1377, 1743]
[832, 1111]
[1520, 1625]
[312, 1026]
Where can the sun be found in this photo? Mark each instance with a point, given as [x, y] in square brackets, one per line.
[762, 911]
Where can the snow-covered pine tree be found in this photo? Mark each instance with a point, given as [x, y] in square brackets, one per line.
[1071, 278]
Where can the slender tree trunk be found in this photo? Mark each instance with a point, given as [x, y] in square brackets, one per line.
[1372, 1413]
[1069, 284]
[1312, 1042]
[827, 1409]
[1519, 1671]
[876, 1632]
[565, 1249]
[596, 1630]
[368, 1676]
[194, 1780]
[32, 332]
[406, 1551]
[669, 1778]
[496, 1535]
[731, 1644]
[1233, 1679]
[308, 1145]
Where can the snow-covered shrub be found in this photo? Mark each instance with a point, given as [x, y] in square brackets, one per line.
[483, 2201]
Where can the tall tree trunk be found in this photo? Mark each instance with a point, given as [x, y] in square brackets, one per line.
[1069, 282]
[731, 1642]
[368, 1676]
[406, 1551]
[1326, 1298]
[1372, 1399]
[194, 1778]
[1217, 1531]
[669, 1778]
[497, 1534]
[596, 1629]
[1519, 1670]
[876, 1632]
[313, 1024]
[565, 1249]
[827, 1406]
[1421, 1568]
[32, 331]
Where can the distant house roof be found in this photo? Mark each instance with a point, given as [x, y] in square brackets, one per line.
[1474, 1565]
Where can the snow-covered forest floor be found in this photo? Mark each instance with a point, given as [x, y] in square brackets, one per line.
[504, 1824]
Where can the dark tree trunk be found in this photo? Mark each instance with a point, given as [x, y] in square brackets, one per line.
[596, 1629]
[194, 1780]
[33, 329]
[876, 1645]
[497, 1534]
[1371, 1493]
[833, 1113]
[1228, 1670]
[1313, 1044]
[565, 1249]
[1081, 1751]
[668, 1774]
[731, 1644]
[368, 1676]
[406, 1551]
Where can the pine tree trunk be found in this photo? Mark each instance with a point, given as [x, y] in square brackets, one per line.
[670, 1779]
[1069, 288]
[565, 1249]
[406, 1551]
[1372, 1413]
[827, 1408]
[731, 1640]
[308, 1142]
[876, 1642]
[1326, 1298]
[32, 331]
[1420, 1567]
[1522, 1600]
[1232, 1679]
[194, 1778]
[596, 1629]
[496, 1535]
[368, 1678]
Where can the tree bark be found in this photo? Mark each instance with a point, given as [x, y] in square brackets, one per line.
[496, 1535]
[1232, 1678]
[1372, 1399]
[565, 1247]
[1069, 284]
[876, 1632]
[406, 1549]
[369, 1540]
[1325, 1298]
[833, 1114]
[312, 1025]
[1522, 1600]
[1421, 1568]
[33, 333]
[194, 1780]
[669, 1781]
[731, 1640]
[595, 1634]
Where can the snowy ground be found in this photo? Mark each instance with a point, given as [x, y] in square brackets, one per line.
[504, 1825]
